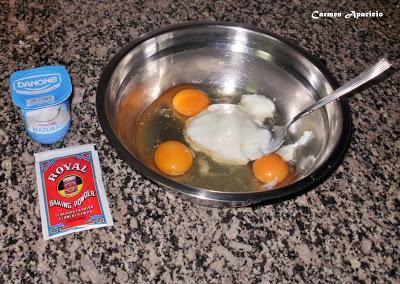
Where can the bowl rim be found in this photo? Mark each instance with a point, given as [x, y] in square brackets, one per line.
[246, 198]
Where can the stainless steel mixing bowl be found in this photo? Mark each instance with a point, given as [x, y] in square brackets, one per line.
[226, 60]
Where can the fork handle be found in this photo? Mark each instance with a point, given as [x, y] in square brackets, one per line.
[369, 74]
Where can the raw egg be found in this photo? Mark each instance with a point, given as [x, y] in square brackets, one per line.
[173, 158]
[270, 169]
[189, 102]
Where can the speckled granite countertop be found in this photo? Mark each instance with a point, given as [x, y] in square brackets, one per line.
[345, 230]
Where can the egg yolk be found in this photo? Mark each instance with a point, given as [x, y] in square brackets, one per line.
[173, 158]
[271, 169]
[190, 101]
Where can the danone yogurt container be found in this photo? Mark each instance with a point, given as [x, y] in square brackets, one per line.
[42, 94]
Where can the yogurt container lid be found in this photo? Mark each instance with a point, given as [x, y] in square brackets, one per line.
[40, 87]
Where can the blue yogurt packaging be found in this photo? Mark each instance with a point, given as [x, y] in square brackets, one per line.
[42, 94]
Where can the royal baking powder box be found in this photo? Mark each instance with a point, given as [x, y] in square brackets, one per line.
[71, 192]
